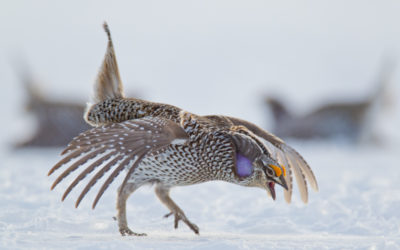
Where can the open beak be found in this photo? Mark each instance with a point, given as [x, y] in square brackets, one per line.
[280, 173]
[271, 185]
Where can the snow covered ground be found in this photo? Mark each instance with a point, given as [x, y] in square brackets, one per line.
[229, 53]
[358, 207]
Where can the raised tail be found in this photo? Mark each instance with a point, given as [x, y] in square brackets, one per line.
[108, 85]
[109, 104]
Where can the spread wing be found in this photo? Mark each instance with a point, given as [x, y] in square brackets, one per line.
[286, 156]
[115, 146]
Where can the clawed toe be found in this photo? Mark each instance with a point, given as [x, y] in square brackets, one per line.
[168, 215]
[128, 232]
[182, 217]
[194, 228]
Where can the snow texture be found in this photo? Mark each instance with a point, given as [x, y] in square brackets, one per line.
[358, 207]
[209, 57]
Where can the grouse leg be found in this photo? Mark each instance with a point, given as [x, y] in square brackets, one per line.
[123, 195]
[162, 193]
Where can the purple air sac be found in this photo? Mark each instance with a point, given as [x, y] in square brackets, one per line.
[244, 166]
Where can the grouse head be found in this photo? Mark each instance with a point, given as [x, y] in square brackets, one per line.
[254, 165]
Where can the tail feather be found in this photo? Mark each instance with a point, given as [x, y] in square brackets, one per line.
[383, 91]
[108, 83]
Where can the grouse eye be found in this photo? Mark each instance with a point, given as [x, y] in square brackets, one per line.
[270, 172]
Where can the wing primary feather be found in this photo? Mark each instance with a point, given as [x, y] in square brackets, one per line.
[289, 180]
[85, 172]
[114, 174]
[309, 174]
[139, 152]
[126, 143]
[97, 177]
[301, 181]
[68, 158]
[130, 172]
[78, 163]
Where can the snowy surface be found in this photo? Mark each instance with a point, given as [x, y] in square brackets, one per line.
[358, 207]
[228, 53]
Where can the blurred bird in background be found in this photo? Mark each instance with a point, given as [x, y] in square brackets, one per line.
[349, 121]
[57, 122]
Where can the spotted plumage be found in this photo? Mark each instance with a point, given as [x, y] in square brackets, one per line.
[167, 146]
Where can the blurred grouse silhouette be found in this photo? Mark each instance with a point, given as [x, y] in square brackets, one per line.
[161, 144]
[351, 121]
[56, 122]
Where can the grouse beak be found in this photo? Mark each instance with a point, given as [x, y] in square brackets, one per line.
[271, 185]
[282, 182]
[280, 174]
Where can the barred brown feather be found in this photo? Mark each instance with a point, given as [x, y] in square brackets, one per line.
[130, 140]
